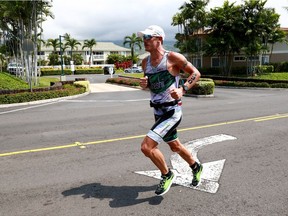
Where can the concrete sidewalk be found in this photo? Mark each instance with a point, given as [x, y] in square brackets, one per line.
[105, 87]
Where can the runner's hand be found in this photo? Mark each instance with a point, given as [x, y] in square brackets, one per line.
[176, 93]
[144, 82]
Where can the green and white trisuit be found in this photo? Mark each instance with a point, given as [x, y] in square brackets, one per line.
[167, 111]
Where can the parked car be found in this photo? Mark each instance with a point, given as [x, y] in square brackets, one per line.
[15, 68]
[133, 70]
[107, 69]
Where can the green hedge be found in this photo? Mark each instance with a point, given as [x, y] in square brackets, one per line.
[67, 90]
[203, 86]
[262, 69]
[250, 84]
[280, 66]
[49, 72]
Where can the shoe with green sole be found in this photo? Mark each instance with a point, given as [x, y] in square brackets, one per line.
[197, 176]
[165, 184]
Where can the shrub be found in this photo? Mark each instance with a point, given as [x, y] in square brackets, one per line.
[263, 69]
[125, 81]
[279, 85]
[241, 84]
[79, 70]
[67, 90]
[280, 66]
[84, 84]
[204, 86]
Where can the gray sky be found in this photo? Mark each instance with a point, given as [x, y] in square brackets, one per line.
[106, 20]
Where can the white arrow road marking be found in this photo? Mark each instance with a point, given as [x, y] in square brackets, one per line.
[211, 170]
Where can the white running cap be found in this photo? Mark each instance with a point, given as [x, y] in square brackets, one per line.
[152, 30]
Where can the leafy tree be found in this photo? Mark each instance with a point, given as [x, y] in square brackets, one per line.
[113, 58]
[89, 44]
[53, 59]
[133, 41]
[78, 58]
[258, 26]
[120, 61]
[247, 28]
[223, 40]
[190, 21]
[19, 21]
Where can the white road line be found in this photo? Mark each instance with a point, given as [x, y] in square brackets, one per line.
[26, 108]
[105, 101]
[211, 170]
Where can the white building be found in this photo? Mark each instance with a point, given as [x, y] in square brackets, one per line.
[100, 52]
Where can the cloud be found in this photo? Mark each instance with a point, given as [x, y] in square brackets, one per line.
[109, 20]
[113, 20]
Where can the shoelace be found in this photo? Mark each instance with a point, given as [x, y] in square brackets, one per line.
[161, 184]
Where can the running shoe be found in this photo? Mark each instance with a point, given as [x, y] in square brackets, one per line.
[165, 184]
[197, 175]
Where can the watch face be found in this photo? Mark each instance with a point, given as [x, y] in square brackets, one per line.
[185, 87]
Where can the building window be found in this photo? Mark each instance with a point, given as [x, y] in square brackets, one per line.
[265, 59]
[239, 58]
[98, 55]
[215, 62]
[197, 62]
[253, 58]
[41, 53]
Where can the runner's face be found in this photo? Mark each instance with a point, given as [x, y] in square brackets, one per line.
[151, 42]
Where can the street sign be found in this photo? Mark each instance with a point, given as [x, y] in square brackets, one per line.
[27, 45]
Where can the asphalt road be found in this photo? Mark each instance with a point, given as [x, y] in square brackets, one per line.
[78, 156]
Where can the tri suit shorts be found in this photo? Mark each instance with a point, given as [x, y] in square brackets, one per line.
[165, 125]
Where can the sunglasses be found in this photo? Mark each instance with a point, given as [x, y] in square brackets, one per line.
[147, 37]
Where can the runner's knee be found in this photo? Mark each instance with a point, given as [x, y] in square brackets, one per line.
[147, 148]
[175, 146]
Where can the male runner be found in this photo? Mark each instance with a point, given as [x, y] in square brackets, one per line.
[161, 76]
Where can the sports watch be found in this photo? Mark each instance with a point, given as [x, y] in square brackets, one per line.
[185, 87]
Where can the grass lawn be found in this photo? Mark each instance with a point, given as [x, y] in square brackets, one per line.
[45, 81]
[273, 76]
[10, 82]
[135, 75]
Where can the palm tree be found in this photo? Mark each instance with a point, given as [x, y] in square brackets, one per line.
[190, 21]
[277, 35]
[133, 41]
[54, 43]
[179, 20]
[89, 44]
[2, 60]
[20, 20]
[71, 42]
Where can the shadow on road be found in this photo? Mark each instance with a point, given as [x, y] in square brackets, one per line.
[121, 195]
